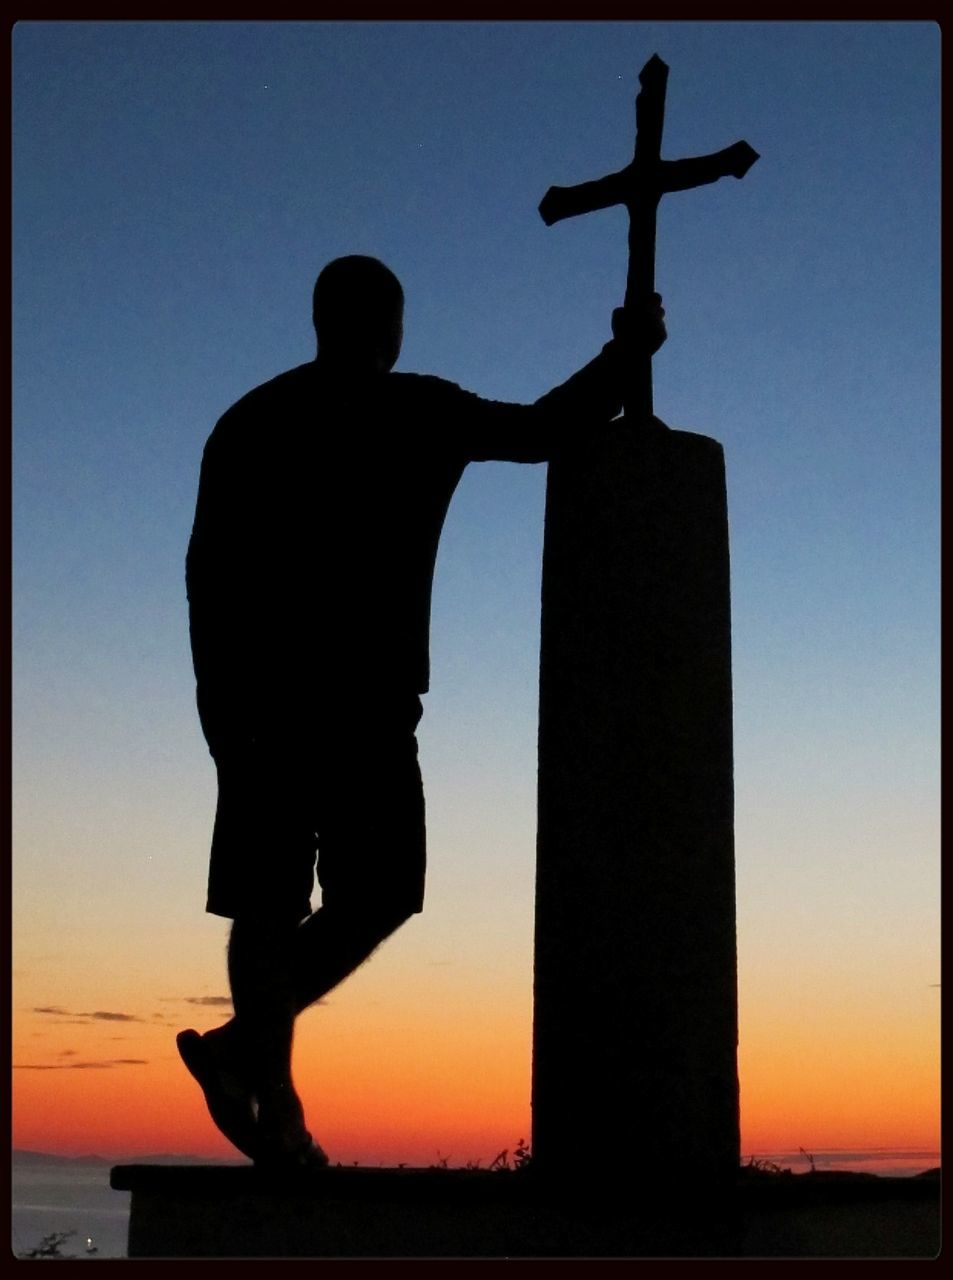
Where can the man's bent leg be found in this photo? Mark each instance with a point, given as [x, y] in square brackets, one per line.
[332, 943]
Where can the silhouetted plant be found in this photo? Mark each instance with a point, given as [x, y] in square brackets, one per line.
[521, 1157]
[520, 1160]
[50, 1246]
[764, 1168]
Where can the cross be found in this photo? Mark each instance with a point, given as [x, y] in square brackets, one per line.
[640, 186]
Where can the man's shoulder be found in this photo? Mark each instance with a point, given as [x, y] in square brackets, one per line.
[284, 386]
[301, 388]
[278, 394]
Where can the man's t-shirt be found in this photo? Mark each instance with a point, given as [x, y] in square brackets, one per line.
[310, 566]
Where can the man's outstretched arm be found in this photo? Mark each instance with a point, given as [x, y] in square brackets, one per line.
[591, 397]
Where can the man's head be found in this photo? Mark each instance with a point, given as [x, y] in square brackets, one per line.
[358, 311]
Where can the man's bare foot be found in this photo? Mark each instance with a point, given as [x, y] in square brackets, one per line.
[211, 1060]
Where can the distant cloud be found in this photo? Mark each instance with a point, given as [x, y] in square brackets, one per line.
[110, 1017]
[79, 1066]
[67, 1053]
[100, 1015]
[209, 1000]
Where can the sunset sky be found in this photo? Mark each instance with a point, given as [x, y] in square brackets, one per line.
[176, 189]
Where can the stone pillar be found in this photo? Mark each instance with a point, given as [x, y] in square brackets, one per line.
[635, 1025]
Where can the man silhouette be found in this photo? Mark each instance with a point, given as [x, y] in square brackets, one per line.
[321, 499]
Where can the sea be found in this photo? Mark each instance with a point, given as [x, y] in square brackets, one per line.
[72, 1197]
[54, 1194]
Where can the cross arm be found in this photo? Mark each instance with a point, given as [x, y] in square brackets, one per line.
[567, 202]
[626, 186]
[732, 162]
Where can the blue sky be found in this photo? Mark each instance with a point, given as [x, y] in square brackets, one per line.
[176, 189]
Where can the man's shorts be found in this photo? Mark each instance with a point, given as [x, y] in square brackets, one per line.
[349, 791]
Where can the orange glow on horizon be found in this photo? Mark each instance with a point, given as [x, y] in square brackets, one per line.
[420, 1098]
[411, 1065]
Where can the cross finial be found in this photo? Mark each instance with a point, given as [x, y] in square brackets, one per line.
[640, 186]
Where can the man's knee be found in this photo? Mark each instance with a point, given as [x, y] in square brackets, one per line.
[381, 920]
[263, 924]
[368, 922]
[389, 919]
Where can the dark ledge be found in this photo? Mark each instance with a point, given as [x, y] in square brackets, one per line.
[478, 1185]
[341, 1182]
[239, 1211]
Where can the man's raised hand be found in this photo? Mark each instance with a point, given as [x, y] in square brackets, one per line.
[641, 329]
